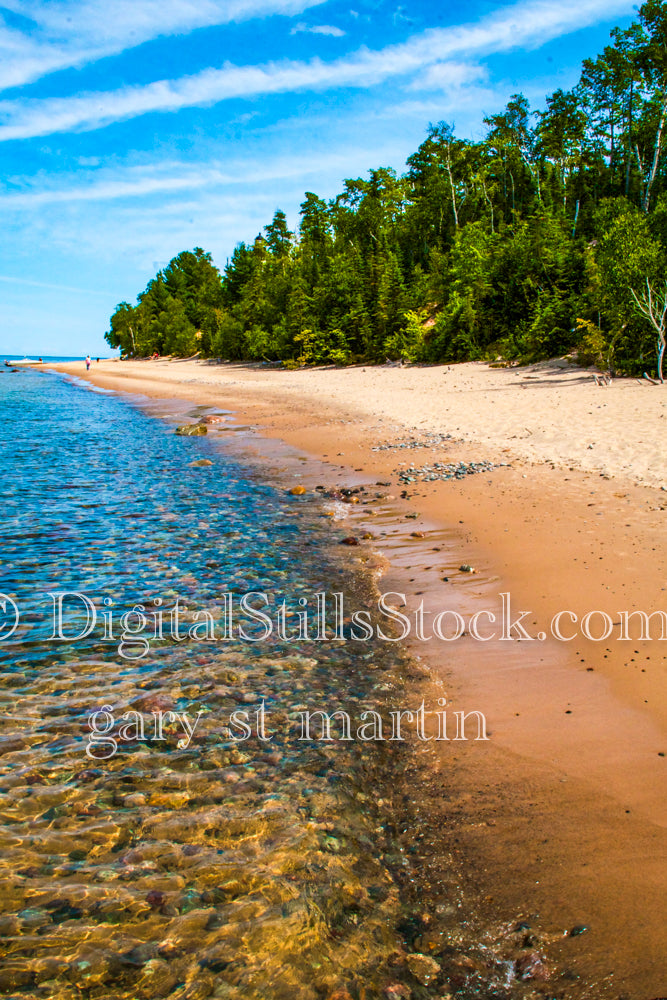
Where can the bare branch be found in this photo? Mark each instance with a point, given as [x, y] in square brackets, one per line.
[656, 314]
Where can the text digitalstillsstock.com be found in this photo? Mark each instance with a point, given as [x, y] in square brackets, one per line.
[324, 617]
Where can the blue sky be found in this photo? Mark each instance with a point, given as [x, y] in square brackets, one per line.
[133, 129]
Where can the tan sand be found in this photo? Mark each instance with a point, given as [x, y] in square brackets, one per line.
[550, 412]
[564, 810]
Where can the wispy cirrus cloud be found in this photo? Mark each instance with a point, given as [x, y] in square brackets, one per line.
[317, 29]
[111, 189]
[38, 37]
[528, 23]
[447, 76]
[29, 283]
[167, 178]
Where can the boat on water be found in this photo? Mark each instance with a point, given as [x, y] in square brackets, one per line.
[24, 361]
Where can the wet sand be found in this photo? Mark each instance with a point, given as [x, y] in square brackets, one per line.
[563, 811]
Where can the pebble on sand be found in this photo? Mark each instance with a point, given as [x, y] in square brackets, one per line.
[531, 966]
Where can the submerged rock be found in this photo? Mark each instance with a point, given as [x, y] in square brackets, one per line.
[191, 430]
[398, 991]
[158, 980]
[423, 968]
[9, 925]
[33, 918]
[13, 977]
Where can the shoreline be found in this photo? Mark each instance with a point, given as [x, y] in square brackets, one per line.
[589, 774]
[551, 412]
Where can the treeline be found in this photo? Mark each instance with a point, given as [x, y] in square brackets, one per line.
[525, 245]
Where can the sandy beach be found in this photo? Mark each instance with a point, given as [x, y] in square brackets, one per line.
[563, 811]
[552, 412]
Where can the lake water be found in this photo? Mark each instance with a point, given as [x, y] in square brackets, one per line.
[234, 868]
[147, 848]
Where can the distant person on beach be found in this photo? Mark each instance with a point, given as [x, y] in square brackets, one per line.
[88, 362]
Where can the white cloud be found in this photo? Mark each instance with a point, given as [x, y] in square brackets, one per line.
[171, 178]
[71, 33]
[317, 29]
[449, 76]
[107, 190]
[115, 21]
[10, 280]
[525, 24]
[125, 217]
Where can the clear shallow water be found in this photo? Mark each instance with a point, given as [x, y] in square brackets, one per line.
[238, 869]
[280, 869]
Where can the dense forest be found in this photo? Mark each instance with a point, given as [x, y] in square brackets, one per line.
[548, 236]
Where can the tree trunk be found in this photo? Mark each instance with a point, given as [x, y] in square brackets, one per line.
[535, 174]
[656, 156]
[489, 203]
[640, 166]
[628, 154]
[451, 184]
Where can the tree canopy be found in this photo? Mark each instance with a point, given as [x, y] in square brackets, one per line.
[523, 245]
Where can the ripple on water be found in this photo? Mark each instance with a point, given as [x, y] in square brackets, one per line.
[255, 870]
[244, 870]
